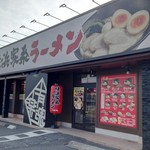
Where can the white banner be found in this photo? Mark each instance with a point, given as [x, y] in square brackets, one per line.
[119, 27]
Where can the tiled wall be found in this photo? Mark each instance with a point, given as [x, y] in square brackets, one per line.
[146, 105]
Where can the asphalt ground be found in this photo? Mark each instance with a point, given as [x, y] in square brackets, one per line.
[51, 140]
[11, 128]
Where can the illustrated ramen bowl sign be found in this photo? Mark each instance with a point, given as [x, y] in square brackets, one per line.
[112, 30]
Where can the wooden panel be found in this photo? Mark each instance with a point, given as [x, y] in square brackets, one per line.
[66, 80]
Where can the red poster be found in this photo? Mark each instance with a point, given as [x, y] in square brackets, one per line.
[118, 100]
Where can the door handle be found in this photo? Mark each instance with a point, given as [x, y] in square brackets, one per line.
[86, 112]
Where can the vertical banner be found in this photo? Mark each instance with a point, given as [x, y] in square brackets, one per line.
[78, 103]
[118, 100]
[78, 97]
[36, 99]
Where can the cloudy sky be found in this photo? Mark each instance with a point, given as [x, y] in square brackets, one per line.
[15, 13]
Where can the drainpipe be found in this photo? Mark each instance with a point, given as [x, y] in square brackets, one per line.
[4, 105]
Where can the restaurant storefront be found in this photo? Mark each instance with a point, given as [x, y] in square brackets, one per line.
[102, 63]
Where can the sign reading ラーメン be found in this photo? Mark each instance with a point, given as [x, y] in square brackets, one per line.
[120, 27]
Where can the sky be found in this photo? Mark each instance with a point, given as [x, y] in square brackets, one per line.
[15, 13]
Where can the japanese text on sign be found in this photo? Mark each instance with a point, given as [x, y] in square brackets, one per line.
[55, 97]
[15, 57]
[118, 100]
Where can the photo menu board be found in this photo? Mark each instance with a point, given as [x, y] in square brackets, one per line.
[118, 105]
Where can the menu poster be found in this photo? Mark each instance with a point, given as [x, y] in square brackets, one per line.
[78, 97]
[118, 100]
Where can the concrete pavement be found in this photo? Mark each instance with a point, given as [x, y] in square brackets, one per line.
[109, 141]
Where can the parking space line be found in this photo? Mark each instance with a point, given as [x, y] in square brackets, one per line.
[82, 146]
[25, 135]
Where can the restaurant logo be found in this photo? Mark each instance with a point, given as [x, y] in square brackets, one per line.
[35, 104]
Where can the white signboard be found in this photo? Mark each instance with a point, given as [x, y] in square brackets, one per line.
[50, 47]
[121, 27]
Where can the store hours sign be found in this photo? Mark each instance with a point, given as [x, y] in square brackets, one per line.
[118, 105]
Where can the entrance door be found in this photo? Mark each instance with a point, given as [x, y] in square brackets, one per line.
[16, 96]
[1, 95]
[84, 110]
